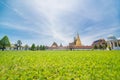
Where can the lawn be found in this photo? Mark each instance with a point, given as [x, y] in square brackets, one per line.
[60, 65]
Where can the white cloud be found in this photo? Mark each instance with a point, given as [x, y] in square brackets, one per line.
[43, 17]
[51, 10]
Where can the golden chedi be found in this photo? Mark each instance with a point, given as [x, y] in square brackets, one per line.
[78, 41]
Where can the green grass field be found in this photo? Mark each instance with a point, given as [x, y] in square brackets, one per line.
[60, 65]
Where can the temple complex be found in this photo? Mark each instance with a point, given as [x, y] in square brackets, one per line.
[54, 44]
[113, 43]
[99, 44]
[76, 42]
[77, 45]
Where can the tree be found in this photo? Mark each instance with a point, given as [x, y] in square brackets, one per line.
[104, 45]
[16, 46]
[38, 48]
[19, 44]
[0, 44]
[109, 48]
[44, 47]
[33, 47]
[4, 43]
[41, 47]
[100, 46]
[95, 47]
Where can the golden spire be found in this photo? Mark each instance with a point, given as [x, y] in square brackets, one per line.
[78, 41]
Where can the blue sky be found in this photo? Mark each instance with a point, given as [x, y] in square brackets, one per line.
[46, 21]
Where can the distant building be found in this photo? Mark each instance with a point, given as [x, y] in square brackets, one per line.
[77, 45]
[80, 47]
[113, 43]
[99, 44]
[61, 45]
[58, 48]
[14, 47]
[54, 45]
[76, 42]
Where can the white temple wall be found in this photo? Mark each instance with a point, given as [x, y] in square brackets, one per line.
[114, 44]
